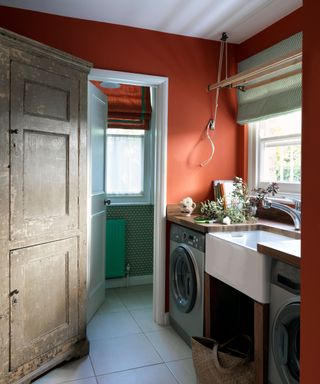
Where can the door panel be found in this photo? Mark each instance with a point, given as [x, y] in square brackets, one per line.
[44, 152]
[43, 169]
[44, 299]
[96, 261]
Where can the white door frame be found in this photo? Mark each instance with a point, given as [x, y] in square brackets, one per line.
[160, 188]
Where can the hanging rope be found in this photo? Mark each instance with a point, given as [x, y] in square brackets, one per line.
[204, 163]
[212, 122]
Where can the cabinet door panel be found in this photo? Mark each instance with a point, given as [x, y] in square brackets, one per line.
[41, 169]
[44, 152]
[44, 299]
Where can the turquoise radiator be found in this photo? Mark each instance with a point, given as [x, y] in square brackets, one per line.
[115, 248]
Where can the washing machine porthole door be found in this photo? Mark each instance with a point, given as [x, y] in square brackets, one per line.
[286, 342]
[183, 279]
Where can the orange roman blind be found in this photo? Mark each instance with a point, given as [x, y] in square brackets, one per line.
[129, 106]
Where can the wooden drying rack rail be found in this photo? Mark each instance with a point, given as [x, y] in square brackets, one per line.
[240, 80]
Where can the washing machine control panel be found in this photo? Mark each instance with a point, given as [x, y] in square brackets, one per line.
[190, 239]
[285, 276]
[187, 236]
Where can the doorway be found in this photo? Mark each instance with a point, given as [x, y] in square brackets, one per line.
[159, 86]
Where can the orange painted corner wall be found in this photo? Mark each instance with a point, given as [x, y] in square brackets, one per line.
[278, 31]
[305, 19]
[310, 266]
[189, 63]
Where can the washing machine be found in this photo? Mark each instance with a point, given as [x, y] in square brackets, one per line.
[187, 256]
[284, 331]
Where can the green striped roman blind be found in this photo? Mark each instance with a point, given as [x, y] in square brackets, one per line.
[277, 97]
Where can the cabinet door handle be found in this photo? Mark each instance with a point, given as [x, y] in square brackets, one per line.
[15, 131]
[107, 202]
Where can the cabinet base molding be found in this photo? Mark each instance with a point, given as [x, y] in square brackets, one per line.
[73, 349]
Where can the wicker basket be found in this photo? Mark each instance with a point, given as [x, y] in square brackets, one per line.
[221, 364]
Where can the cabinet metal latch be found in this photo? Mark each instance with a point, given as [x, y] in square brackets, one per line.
[15, 292]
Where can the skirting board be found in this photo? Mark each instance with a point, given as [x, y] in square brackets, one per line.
[132, 280]
[166, 319]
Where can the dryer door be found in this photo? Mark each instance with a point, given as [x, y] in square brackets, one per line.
[183, 279]
[286, 342]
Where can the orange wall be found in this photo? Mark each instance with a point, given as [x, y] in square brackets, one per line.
[307, 20]
[189, 63]
[310, 314]
[281, 30]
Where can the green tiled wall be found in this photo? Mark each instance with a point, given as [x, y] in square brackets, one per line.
[139, 236]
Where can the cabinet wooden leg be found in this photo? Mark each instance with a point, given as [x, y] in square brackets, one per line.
[261, 341]
[208, 305]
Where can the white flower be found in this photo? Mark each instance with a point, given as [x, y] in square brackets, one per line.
[226, 220]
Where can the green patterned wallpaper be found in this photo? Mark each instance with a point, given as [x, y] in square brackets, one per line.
[139, 236]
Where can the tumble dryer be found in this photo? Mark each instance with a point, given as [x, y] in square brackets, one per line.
[284, 335]
[187, 253]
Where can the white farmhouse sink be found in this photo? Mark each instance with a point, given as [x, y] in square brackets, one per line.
[232, 257]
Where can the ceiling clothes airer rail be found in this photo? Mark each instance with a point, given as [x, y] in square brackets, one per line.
[257, 75]
[212, 122]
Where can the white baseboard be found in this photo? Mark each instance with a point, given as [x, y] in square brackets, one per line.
[131, 281]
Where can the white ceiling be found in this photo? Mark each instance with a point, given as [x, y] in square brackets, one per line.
[207, 19]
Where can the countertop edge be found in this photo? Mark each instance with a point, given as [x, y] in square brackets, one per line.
[280, 255]
[267, 225]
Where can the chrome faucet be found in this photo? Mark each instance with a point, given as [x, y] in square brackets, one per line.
[295, 213]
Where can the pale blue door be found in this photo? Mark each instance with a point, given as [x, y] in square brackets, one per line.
[97, 114]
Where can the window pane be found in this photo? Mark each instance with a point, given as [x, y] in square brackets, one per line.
[281, 163]
[283, 125]
[125, 164]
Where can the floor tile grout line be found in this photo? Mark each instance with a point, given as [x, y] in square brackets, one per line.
[106, 338]
[69, 380]
[136, 321]
[146, 332]
[184, 358]
[116, 337]
[142, 333]
[149, 341]
[112, 337]
[140, 286]
[144, 366]
[132, 369]
[163, 363]
[172, 373]
[94, 371]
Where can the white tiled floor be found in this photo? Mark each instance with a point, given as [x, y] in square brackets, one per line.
[127, 347]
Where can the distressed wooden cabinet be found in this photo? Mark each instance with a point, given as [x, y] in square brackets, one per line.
[43, 209]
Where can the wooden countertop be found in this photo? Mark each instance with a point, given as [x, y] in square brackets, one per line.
[286, 251]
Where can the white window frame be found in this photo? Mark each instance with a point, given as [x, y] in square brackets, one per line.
[286, 190]
[146, 197]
